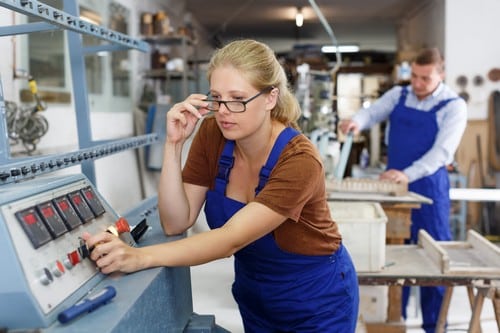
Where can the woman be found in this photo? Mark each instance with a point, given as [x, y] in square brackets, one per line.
[262, 185]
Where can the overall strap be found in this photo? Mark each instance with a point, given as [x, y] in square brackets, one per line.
[226, 162]
[441, 104]
[285, 136]
[404, 93]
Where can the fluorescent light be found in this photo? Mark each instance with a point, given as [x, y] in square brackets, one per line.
[342, 49]
[299, 18]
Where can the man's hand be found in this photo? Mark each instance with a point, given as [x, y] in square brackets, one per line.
[347, 126]
[394, 176]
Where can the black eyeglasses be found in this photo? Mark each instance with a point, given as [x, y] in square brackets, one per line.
[234, 106]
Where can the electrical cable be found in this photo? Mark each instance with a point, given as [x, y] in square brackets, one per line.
[25, 125]
[330, 33]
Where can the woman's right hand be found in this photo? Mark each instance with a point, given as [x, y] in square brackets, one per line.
[111, 254]
[183, 116]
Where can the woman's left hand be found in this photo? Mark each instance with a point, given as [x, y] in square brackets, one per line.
[111, 254]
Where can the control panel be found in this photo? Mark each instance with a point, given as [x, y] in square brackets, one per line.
[43, 257]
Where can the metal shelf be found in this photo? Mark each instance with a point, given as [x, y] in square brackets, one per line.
[168, 40]
[13, 170]
[184, 43]
[29, 168]
[60, 19]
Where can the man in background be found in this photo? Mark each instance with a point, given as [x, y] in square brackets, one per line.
[426, 123]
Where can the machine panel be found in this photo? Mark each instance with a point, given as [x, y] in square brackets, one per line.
[42, 248]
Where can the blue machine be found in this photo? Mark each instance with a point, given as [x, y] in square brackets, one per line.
[45, 271]
[45, 267]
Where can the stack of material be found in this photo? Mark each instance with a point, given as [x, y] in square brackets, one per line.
[367, 185]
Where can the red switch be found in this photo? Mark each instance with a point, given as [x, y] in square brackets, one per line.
[74, 257]
[122, 225]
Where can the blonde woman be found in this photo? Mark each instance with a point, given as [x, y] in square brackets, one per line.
[262, 185]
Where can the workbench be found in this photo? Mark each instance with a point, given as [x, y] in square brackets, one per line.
[411, 265]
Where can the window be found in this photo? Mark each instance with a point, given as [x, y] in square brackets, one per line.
[46, 55]
[118, 21]
[107, 73]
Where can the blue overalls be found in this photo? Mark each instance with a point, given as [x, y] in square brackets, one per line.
[277, 291]
[412, 134]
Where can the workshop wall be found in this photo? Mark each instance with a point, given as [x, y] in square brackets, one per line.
[471, 29]
[421, 27]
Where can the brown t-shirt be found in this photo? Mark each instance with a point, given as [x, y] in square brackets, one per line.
[295, 189]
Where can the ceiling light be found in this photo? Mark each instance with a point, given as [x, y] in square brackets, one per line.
[342, 48]
[299, 17]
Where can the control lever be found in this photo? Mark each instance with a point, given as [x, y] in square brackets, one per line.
[139, 230]
[344, 156]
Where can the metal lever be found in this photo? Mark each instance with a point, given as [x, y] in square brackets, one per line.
[344, 156]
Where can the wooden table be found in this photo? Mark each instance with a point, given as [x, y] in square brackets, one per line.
[410, 265]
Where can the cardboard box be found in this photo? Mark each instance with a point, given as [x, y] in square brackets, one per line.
[363, 229]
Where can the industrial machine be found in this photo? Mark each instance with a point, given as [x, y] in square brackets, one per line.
[46, 269]
[44, 260]
[47, 277]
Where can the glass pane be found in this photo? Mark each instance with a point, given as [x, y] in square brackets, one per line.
[93, 62]
[46, 54]
[120, 63]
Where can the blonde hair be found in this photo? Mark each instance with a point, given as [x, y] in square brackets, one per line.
[258, 63]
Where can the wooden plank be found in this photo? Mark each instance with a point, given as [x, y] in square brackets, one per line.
[367, 185]
[437, 254]
[47, 96]
[488, 250]
[385, 327]
[394, 307]
[409, 198]
[398, 221]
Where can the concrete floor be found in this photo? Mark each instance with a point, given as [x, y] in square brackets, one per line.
[211, 284]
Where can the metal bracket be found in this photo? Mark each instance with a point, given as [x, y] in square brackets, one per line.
[70, 22]
[27, 169]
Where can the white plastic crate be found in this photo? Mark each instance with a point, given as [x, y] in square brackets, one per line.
[363, 228]
[373, 303]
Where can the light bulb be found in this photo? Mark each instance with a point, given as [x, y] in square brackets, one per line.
[299, 18]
